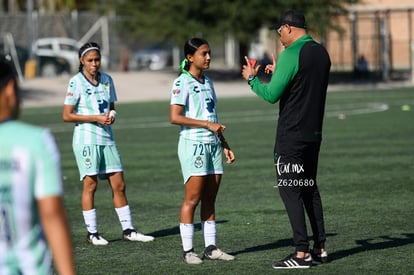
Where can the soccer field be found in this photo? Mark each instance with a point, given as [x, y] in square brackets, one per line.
[365, 177]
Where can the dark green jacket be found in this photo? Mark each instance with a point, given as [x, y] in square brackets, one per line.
[300, 82]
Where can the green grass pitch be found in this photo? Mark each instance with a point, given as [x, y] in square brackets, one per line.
[365, 177]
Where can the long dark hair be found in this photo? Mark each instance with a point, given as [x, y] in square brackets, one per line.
[86, 48]
[190, 47]
[7, 74]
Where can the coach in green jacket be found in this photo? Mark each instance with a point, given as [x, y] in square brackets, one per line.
[299, 82]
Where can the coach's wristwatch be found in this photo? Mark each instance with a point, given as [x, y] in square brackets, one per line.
[250, 78]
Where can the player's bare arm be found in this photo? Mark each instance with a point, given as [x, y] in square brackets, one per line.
[68, 115]
[177, 117]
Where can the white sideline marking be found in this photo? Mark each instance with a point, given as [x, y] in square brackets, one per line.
[333, 110]
[355, 109]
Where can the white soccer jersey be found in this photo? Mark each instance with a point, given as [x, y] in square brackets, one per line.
[29, 170]
[90, 99]
[199, 101]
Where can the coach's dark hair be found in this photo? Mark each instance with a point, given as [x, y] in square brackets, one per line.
[85, 48]
[190, 47]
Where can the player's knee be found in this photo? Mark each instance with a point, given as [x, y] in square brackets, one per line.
[192, 202]
[118, 187]
[89, 185]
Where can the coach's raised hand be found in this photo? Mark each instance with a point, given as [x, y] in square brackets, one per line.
[270, 68]
[248, 69]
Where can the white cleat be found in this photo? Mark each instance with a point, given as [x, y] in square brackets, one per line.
[213, 253]
[96, 239]
[192, 258]
[133, 236]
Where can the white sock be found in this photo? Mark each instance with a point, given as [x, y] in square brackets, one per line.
[89, 216]
[187, 233]
[209, 231]
[124, 215]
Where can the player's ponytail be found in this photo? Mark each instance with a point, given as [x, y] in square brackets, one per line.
[184, 66]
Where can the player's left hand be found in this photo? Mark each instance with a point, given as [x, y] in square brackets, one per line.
[108, 119]
[228, 153]
[216, 127]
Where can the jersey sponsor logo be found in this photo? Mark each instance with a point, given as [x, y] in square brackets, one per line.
[198, 163]
[176, 92]
[196, 89]
[99, 92]
[106, 87]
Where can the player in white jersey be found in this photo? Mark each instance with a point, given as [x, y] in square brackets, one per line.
[200, 149]
[90, 104]
[32, 216]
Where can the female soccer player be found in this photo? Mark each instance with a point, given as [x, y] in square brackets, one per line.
[90, 104]
[33, 224]
[200, 148]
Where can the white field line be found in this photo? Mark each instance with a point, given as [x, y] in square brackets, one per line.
[334, 110]
[355, 109]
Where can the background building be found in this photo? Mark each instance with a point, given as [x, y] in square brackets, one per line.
[380, 31]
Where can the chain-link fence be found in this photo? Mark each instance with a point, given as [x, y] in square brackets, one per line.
[377, 40]
[380, 37]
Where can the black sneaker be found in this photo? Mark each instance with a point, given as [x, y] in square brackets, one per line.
[292, 261]
[319, 258]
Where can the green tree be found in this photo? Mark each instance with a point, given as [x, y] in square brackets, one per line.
[176, 21]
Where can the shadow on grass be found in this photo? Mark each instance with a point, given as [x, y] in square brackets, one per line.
[363, 245]
[176, 230]
[368, 245]
[269, 246]
[170, 231]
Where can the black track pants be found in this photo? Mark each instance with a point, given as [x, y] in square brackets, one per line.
[296, 169]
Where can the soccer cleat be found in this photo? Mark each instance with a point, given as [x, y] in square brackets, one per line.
[133, 236]
[213, 253]
[319, 258]
[95, 239]
[191, 258]
[291, 262]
